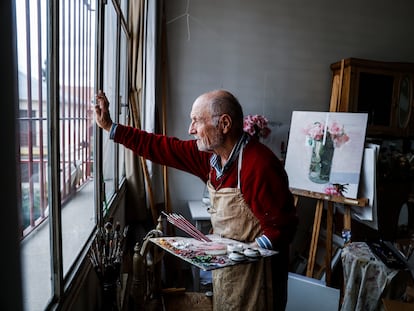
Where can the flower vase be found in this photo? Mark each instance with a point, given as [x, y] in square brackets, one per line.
[321, 160]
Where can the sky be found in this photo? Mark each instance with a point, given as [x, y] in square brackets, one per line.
[35, 22]
[21, 33]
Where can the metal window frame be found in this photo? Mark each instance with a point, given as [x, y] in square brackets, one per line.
[53, 95]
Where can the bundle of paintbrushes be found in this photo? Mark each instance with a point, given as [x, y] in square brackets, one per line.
[182, 223]
[107, 250]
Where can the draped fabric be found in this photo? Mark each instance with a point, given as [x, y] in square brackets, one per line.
[134, 168]
[143, 176]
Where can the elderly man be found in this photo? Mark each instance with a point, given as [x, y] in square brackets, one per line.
[249, 193]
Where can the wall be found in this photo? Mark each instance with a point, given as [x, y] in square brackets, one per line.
[273, 55]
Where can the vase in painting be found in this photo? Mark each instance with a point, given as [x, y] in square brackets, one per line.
[321, 160]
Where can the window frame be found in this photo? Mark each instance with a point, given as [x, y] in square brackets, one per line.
[61, 283]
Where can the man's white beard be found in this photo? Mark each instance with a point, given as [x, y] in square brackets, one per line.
[202, 146]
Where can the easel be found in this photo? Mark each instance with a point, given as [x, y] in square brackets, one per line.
[330, 199]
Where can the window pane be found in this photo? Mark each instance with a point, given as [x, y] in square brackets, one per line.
[110, 89]
[77, 23]
[123, 90]
[35, 247]
[124, 7]
[76, 123]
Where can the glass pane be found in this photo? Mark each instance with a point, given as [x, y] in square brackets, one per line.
[124, 8]
[404, 102]
[76, 70]
[123, 89]
[35, 247]
[110, 89]
[375, 97]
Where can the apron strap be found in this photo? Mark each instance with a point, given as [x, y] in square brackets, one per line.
[239, 164]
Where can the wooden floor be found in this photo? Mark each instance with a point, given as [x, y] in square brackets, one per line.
[181, 302]
[188, 301]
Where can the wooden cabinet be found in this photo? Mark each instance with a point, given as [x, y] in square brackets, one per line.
[384, 90]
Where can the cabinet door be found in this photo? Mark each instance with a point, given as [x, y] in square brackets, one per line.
[382, 90]
[374, 95]
[404, 115]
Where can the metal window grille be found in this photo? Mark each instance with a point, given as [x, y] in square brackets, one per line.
[76, 114]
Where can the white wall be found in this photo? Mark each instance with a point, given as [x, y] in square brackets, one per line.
[273, 55]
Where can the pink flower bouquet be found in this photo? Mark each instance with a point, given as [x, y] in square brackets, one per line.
[256, 126]
[316, 132]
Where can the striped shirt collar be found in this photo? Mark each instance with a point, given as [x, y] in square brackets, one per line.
[215, 160]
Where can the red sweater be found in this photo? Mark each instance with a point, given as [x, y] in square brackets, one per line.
[264, 182]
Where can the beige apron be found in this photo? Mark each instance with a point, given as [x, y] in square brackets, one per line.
[244, 286]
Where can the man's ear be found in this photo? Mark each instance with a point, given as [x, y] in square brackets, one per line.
[225, 123]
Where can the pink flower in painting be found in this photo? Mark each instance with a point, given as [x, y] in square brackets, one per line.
[256, 125]
[316, 132]
[335, 129]
[331, 190]
[338, 134]
[340, 140]
[336, 189]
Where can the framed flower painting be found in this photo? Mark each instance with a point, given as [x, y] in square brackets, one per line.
[325, 151]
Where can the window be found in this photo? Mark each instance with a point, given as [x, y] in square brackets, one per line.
[116, 89]
[61, 220]
[27, 128]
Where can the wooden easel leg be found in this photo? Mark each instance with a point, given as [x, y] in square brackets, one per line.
[315, 237]
[346, 232]
[329, 234]
[295, 200]
[347, 218]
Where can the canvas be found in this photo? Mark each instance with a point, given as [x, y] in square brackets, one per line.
[367, 188]
[325, 151]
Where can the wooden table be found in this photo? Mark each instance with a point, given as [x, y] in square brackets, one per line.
[199, 214]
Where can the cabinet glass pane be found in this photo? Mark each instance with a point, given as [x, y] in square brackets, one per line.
[375, 97]
[404, 102]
